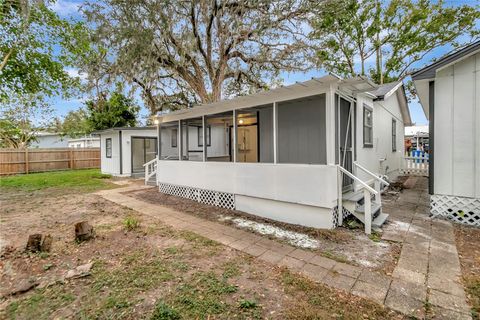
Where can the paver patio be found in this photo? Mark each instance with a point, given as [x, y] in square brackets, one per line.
[427, 273]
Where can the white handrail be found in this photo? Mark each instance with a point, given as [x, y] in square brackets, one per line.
[366, 186]
[371, 174]
[150, 162]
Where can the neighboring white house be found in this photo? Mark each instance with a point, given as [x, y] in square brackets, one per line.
[417, 138]
[50, 140]
[124, 151]
[84, 142]
[449, 91]
[294, 154]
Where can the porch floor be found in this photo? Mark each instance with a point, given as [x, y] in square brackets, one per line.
[426, 276]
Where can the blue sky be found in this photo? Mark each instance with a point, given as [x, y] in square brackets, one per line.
[69, 8]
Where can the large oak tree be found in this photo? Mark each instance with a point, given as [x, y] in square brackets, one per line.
[186, 52]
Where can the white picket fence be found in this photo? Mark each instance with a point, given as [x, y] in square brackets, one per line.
[415, 165]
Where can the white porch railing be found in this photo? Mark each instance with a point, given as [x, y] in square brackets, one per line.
[150, 169]
[367, 193]
[415, 164]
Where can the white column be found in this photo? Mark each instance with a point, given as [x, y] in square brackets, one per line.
[330, 125]
[159, 140]
[204, 130]
[275, 133]
[180, 140]
[234, 147]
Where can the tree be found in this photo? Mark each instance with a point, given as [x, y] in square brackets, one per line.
[184, 52]
[116, 111]
[383, 39]
[21, 122]
[36, 47]
[74, 124]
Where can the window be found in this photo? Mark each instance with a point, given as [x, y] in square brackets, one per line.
[394, 135]
[174, 138]
[200, 136]
[367, 127]
[108, 147]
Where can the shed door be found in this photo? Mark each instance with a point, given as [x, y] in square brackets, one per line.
[144, 149]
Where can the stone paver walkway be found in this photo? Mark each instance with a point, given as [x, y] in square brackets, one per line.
[428, 273]
[428, 268]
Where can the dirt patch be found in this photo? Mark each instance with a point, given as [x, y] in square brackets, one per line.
[468, 246]
[351, 246]
[150, 272]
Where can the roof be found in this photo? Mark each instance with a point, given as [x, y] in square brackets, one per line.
[429, 71]
[123, 129]
[383, 91]
[413, 130]
[284, 93]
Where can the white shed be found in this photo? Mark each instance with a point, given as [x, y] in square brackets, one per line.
[449, 91]
[124, 151]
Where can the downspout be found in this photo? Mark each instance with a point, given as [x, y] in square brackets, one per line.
[120, 150]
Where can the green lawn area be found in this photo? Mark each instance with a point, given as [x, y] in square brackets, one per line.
[85, 179]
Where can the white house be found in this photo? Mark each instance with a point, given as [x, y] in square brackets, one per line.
[124, 151]
[449, 91]
[84, 142]
[50, 140]
[294, 154]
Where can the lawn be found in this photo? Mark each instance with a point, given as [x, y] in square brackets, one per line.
[85, 180]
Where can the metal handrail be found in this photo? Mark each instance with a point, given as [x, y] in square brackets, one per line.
[371, 174]
[366, 186]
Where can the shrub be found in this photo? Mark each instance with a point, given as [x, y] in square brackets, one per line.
[131, 223]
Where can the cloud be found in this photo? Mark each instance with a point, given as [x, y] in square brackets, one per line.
[73, 72]
[65, 8]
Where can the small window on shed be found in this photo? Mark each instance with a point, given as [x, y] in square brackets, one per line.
[367, 126]
[108, 147]
[174, 138]
[394, 135]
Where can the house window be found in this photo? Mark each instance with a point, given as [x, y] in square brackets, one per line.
[200, 136]
[174, 138]
[367, 126]
[394, 135]
[108, 147]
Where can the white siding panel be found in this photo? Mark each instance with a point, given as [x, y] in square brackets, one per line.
[477, 126]
[463, 146]
[444, 97]
[110, 165]
[305, 184]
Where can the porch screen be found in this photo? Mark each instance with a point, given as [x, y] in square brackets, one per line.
[301, 131]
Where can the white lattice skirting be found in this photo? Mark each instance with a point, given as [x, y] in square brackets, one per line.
[458, 209]
[213, 198]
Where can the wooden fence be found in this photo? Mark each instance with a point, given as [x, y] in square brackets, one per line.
[415, 164]
[14, 161]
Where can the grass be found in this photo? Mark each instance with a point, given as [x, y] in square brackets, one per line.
[85, 179]
[131, 223]
[472, 284]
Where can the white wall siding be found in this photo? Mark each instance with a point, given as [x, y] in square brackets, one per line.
[383, 113]
[110, 165]
[313, 185]
[457, 138]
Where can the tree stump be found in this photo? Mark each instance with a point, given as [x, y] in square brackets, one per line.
[83, 231]
[46, 245]
[34, 243]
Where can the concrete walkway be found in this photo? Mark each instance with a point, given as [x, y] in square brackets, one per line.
[422, 261]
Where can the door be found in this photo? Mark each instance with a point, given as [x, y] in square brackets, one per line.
[144, 149]
[345, 122]
[247, 143]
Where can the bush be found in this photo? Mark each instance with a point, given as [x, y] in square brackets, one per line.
[164, 312]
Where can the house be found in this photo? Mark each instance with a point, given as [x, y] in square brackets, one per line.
[49, 140]
[124, 151]
[293, 154]
[449, 91]
[416, 138]
[84, 142]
